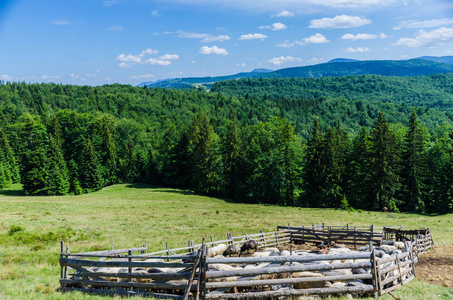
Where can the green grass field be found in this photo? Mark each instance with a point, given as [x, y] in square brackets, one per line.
[31, 229]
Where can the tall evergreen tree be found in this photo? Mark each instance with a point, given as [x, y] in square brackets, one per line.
[384, 180]
[58, 180]
[9, 159]
[414, 170]
[89, 169]
[74, 183]
[312, 179]
[34, 171]
[357, 170]
[231, 160]
[109, 157]
[204, 158]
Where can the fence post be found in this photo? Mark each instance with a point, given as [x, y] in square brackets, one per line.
[290, 234]
[376, 274]
[276, 236]
[62, 286]
[168, 251]
[129, 253]
[371, 232]
[263, 240]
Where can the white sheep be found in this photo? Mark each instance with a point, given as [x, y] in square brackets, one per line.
[216, 250]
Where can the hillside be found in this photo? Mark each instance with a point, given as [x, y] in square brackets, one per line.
[122, 214]
[336, 67]
[180, 83]
[432, 91]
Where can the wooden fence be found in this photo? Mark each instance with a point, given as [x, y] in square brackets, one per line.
[188, 272]
[351, 236]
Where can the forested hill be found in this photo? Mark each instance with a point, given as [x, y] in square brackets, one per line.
[433, 91]
[342, 67]
[317, 151]
[411, 67]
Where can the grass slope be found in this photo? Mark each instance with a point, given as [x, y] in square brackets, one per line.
[131, 214]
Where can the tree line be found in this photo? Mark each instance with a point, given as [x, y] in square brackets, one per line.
[62, 151]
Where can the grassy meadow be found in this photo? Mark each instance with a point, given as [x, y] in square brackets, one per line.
[31, 229]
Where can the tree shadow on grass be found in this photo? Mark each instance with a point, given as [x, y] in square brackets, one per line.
[12, 193]
[160, 189]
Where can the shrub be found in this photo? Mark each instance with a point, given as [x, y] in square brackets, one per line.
[15, 228]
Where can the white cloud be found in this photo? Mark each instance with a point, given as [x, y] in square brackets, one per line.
[148, 52]
[115, 28]
[359, 49]
[241, 65]
[253, 36]
[286, 44]
[146, 76]
[424, 38]
[341, 21]
[316, 39]
[219, 38]
[110, 3]
[129, 60]
[6, 77]
[426, 23]
[277, 61]
[191, 35]
[169, 57]
[363, 36]
[76, 76]
[213, 50]
[155, 13]
[157, 62]
[355, 3]
[284, 13]
[274, 27]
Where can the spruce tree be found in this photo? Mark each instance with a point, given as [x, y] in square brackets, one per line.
[58, 181]
[204, 160]
[414, 170]
[9, 159]
[312, 179]
[74, 183]
[384, 180]
[89, 169]
[231, 160]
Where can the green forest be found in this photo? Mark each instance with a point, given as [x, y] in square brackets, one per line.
[256, 141]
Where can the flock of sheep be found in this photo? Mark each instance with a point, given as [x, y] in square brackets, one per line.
[388, 249]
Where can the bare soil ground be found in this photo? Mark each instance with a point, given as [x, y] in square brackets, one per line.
[436, 266]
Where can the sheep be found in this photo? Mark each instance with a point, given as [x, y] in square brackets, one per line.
[339, 284]
[232, 249]
[387, 248]
[272, 249]
[338, 250]
[399, 245]
[285, 253]
[335, 245]
[217, 250]
[261, 254]
[307, 285]
[248, 245]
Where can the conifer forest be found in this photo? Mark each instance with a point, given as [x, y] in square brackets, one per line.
[355, 142]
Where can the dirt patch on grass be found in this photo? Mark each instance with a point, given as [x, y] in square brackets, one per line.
[436, 266]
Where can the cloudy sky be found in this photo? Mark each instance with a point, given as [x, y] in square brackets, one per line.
[130, 41]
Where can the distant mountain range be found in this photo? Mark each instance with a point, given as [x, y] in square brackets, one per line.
[421, 66]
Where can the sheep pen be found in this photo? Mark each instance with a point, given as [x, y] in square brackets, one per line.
[312, 260]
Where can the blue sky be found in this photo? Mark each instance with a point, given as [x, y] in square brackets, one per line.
[130, 41]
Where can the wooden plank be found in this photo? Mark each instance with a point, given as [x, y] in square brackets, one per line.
[283, 259]
[124, 293]
[125, 264]
[284, 269]
[111, 252]
[237, 283]
[163, 276]
[152, 285]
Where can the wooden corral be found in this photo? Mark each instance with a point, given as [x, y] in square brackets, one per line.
[192, 272]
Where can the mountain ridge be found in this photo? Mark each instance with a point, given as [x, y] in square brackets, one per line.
[421, 66]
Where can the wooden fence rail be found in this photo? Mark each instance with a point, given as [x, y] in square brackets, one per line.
[188, 272]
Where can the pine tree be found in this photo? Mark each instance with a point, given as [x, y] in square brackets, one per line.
[231, 160]
[89, 170]
[204, 160]
[9, 159]
[109, 153]
[312, 179]
[74, 183]
[357, 171]
[34, 172]
[384, 180]
[58, 181]
[414, 171]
